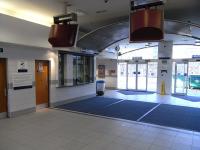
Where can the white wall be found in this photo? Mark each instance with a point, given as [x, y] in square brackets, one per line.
[110, 64]
[23, 40]
[25, 99]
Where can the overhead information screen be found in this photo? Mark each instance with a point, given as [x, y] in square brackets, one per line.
[146, 22]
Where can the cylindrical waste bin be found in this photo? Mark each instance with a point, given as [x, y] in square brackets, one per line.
[100, 87]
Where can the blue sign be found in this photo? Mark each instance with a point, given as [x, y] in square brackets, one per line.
[195, 56]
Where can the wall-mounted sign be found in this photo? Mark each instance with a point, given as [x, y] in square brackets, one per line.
[1, 50]
[137, 58]
[112, 72]
[101, 71]
[22, 66]
[22, 81]
[195, 56]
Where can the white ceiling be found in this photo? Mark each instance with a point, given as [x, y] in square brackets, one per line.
[186, 10]
[114, 9]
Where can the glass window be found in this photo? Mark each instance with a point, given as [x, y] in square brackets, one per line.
[185, 51]
[75, 69]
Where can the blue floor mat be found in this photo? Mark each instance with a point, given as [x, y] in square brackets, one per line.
[188, 98]
[175, 116]
[132, 92]
[89, 105]
[130, 110]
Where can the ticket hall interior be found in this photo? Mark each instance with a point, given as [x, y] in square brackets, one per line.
[99, 74]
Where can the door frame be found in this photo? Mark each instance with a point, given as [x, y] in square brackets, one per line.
[49, 77]
[185, 62]
[136, 78]
[6, 88]
[191, 61]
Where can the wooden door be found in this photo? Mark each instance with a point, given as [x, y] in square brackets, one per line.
[3, 86]
[42, 82]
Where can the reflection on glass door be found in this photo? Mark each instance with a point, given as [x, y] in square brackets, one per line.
[194, 79]
[132, 76]
[142, 77]
[152, 76]
[122, 73]
[181, 78]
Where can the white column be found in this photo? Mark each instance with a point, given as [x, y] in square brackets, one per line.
[165, 66]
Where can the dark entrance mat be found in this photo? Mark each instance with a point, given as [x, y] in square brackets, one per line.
[130, 110]
[89, 105]
[175, 116]
[122, 109]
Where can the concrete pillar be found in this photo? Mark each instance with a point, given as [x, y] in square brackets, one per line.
[165, 66]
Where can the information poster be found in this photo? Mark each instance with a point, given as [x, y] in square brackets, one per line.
[22, 81]
[101, 71]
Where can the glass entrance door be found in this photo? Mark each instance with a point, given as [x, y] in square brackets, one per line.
[152, 76]
[122, 74]
[142, 77]
[194, 78]
[181, 78]
[137, 76]
[132, 75]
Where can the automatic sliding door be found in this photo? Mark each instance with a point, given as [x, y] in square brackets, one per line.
[194, 79]
[152, 76]
[132, 76]
[122, 74]
[142, 77]
[181, 78]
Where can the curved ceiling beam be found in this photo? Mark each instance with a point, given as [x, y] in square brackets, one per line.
[197, 38]
[103, 37]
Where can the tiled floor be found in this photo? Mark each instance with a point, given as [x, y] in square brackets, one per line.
[51, 129]
[167, 99]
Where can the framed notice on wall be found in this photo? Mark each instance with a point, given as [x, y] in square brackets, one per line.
[22, 81]
[101, 71]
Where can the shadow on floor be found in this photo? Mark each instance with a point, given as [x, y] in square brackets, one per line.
[132, 92]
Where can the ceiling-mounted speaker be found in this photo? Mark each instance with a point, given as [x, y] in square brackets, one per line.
[146, 25]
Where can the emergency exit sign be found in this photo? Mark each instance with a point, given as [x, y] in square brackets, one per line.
[1, 50]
